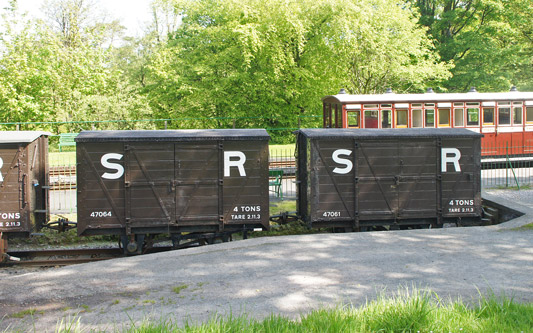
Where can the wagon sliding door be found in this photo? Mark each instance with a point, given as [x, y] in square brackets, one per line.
[150, 199]
[418, 178]
[377, 185]
[197, 183]
[394, 178]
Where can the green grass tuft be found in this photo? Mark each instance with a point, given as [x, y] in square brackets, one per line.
[24, 313]
[524, 227]
[278, 207]
[179, 288]
[407, 311]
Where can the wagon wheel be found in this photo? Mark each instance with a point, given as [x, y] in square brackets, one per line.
[148, 243]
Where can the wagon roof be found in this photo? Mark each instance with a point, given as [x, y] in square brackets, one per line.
[173, 135]
[21, 136]
[387, 133]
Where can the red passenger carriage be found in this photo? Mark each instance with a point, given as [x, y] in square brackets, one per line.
[505, 119]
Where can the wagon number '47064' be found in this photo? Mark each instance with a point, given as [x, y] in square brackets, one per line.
[101, 214]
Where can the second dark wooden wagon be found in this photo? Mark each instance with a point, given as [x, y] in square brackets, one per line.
[360, 178]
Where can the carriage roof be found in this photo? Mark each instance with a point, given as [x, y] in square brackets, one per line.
[429, 97]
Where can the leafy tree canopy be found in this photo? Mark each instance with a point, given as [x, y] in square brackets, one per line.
[61, 69]
[489, 41]
[277, 58]
[265, 63]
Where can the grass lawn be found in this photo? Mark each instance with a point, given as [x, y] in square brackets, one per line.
[62, 158]
[282, 150]
[407, 311]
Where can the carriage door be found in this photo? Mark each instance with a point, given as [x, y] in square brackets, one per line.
[149, 175]
[394, 179]
[198, 182]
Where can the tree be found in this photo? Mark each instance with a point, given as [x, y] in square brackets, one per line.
[489, 41]
[275, 59]
[47, 74]
[23, 74]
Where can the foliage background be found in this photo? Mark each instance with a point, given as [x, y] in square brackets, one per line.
[250, 63]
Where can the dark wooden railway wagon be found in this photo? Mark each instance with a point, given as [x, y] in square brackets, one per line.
[363, 178]
[23, 182]
[176, 181]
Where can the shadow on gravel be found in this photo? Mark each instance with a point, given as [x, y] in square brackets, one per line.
[287, 275]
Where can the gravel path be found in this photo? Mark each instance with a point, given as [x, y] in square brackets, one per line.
[282, 275]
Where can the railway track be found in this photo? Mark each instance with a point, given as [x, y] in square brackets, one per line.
[63, 177]
[65, 257]
[60, 257]
[285, 163]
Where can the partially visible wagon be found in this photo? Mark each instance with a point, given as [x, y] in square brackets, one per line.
[180, 182]
[361, 178]
[23, 184]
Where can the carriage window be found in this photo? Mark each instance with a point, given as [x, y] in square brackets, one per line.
[386, 119]
[488, 116]
[504, 116]
[472, 116]
[353, 118]
[371, 119]
[338, 116]
[401, 118]
[386, 105]
[459, 117]
[430, 118]
[459, 104]
[444, 117]
[418, 119]
[327, 115]
[517, 115]
[529, 114]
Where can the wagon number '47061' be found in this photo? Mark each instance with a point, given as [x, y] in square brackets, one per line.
[331, 214]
